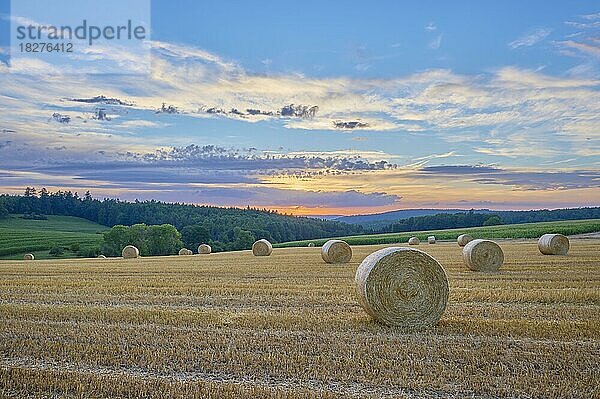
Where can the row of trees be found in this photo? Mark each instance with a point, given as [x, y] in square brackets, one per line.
[546, 215]
[153, 240]
[443, 221]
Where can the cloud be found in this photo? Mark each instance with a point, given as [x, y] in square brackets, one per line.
[591, 16]
[531, 38]
[191, 164]
[592, 49]
[430, 27]
[520, 179]
[219, 190]
[273, 197]
[436, 42]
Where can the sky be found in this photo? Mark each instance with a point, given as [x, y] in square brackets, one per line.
[320, 108]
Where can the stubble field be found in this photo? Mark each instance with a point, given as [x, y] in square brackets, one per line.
[288, 326]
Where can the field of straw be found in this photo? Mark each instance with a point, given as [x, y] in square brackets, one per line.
[234, 325]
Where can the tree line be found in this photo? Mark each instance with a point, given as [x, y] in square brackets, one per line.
[442, 221]
[222, 228]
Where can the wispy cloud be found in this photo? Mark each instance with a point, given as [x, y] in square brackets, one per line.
[436, 42]
[592, 48]
[430, 27]
[530, 38]
[520, 179]
[591, 16]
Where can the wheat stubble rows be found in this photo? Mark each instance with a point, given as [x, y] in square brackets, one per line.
[234, 325]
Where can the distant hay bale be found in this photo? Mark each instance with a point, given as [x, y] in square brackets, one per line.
[204, 249]
[402, 287]
[101, 256]
[483, 256]
[553, 244]
[28, 257]
[262, 248]
[311, 244]
[336, 251]
[464, 239]
[185, 251]
[414, 241]
[431, 240]
[130, 252]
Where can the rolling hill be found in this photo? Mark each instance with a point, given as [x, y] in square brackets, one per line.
[20, 236]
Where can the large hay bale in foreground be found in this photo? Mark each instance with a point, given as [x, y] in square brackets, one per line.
[311, 244]
[185, 251]
[204, 249]
[262, 248]
[336, 251]
[28, 257]
[130, 252]
[402, 287]
[483, 256]
[431, 240]
[553, 244]
[464, 239]
[414, 241]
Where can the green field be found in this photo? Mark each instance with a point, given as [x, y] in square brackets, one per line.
[514, 231]
[21, 236]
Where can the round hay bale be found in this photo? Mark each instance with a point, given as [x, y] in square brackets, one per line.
[311, 244]
[464, 239]
[336, 251]
[101, 256]
[431, 240]
[185, 251]
[28, 257]
[553, 244]
[483, 256]
[414, 241]
[262, 248]
[204, 249]
[130, 252]
[402, 287]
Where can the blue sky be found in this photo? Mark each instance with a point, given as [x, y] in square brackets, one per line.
[469, 104]
[390, 37]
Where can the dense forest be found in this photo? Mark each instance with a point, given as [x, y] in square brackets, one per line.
[545, 215]
[223, 228]
[442, 221]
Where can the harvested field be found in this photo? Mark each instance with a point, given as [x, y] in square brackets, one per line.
[285, 326]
